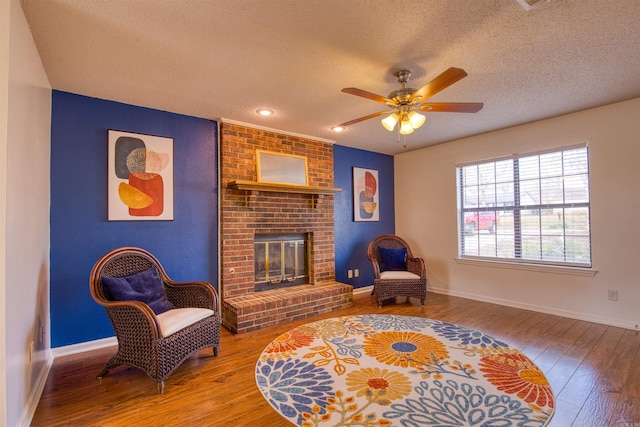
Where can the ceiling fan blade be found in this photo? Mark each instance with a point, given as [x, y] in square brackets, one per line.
[361, 119]
[451, 107]
[443, 81]
[368, 95]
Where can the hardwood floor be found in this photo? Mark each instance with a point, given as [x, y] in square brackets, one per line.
[594, 371]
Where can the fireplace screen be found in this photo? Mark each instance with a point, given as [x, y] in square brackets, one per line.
[281, 260]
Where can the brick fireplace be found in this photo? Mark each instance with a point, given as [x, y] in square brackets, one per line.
[248, 210]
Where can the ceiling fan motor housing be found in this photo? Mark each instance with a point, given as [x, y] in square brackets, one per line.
[402, 96]
[403, 76]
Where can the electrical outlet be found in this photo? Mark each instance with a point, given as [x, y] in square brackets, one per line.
[613, 295]
[350, 274]
[356, 272]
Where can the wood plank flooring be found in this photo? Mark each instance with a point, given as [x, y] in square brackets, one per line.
[594, 371]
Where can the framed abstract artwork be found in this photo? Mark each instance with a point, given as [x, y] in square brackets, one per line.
[140, 169]
[366, 203]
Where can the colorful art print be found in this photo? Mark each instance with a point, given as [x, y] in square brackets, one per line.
[366, 204]
[140, 174]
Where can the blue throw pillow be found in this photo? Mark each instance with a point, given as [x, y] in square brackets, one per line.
[145, 286]
[392, 259]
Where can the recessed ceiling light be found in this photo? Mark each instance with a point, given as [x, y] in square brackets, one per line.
[264, 112]
[337, 128]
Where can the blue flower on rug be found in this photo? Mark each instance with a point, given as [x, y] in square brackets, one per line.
[381, 322]
[347, 347]
[466, 336]
[294, 386]
[457, 405]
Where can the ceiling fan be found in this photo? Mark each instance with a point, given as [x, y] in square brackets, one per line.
[405, 101]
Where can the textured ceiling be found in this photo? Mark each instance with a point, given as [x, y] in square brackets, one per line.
[225, 59]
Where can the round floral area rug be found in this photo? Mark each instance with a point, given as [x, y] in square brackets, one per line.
[385, 370]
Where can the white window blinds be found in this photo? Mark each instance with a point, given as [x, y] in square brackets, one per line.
[531, 208]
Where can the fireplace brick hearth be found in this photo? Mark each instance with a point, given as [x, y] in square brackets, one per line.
[269, 308]
[245, 213]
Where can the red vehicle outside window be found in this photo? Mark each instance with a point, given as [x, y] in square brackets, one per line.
[487, 220]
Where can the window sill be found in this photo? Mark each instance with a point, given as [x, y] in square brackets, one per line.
[557, 269]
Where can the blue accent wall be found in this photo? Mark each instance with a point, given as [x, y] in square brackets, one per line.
[80, 231]
[351, 237]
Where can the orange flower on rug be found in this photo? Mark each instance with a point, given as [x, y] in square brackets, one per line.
[385, 370]
[515, 373]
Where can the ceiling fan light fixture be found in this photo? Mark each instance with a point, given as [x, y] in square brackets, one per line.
[390, 121]
[416, 119]
[406, 128]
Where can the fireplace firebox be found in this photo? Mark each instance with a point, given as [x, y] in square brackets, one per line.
[281, 260]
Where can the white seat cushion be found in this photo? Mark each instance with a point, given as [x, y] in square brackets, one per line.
[179, 318]
[397, 275]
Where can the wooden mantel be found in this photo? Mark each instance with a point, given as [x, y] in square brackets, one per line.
[252, 187]
[242, 184]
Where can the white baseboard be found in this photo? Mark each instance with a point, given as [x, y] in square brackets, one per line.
[365, 290]
[84, 346]
[31, 405]
[541, 309]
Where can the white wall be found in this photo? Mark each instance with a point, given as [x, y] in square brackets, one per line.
[4, 107]
[25, 186]
[425, 198]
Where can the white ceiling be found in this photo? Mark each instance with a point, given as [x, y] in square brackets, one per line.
[227, 58]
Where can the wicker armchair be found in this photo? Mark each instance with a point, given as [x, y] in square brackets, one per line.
[155, 343]
[408, 280]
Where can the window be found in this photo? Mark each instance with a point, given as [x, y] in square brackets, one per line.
[532, 208]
